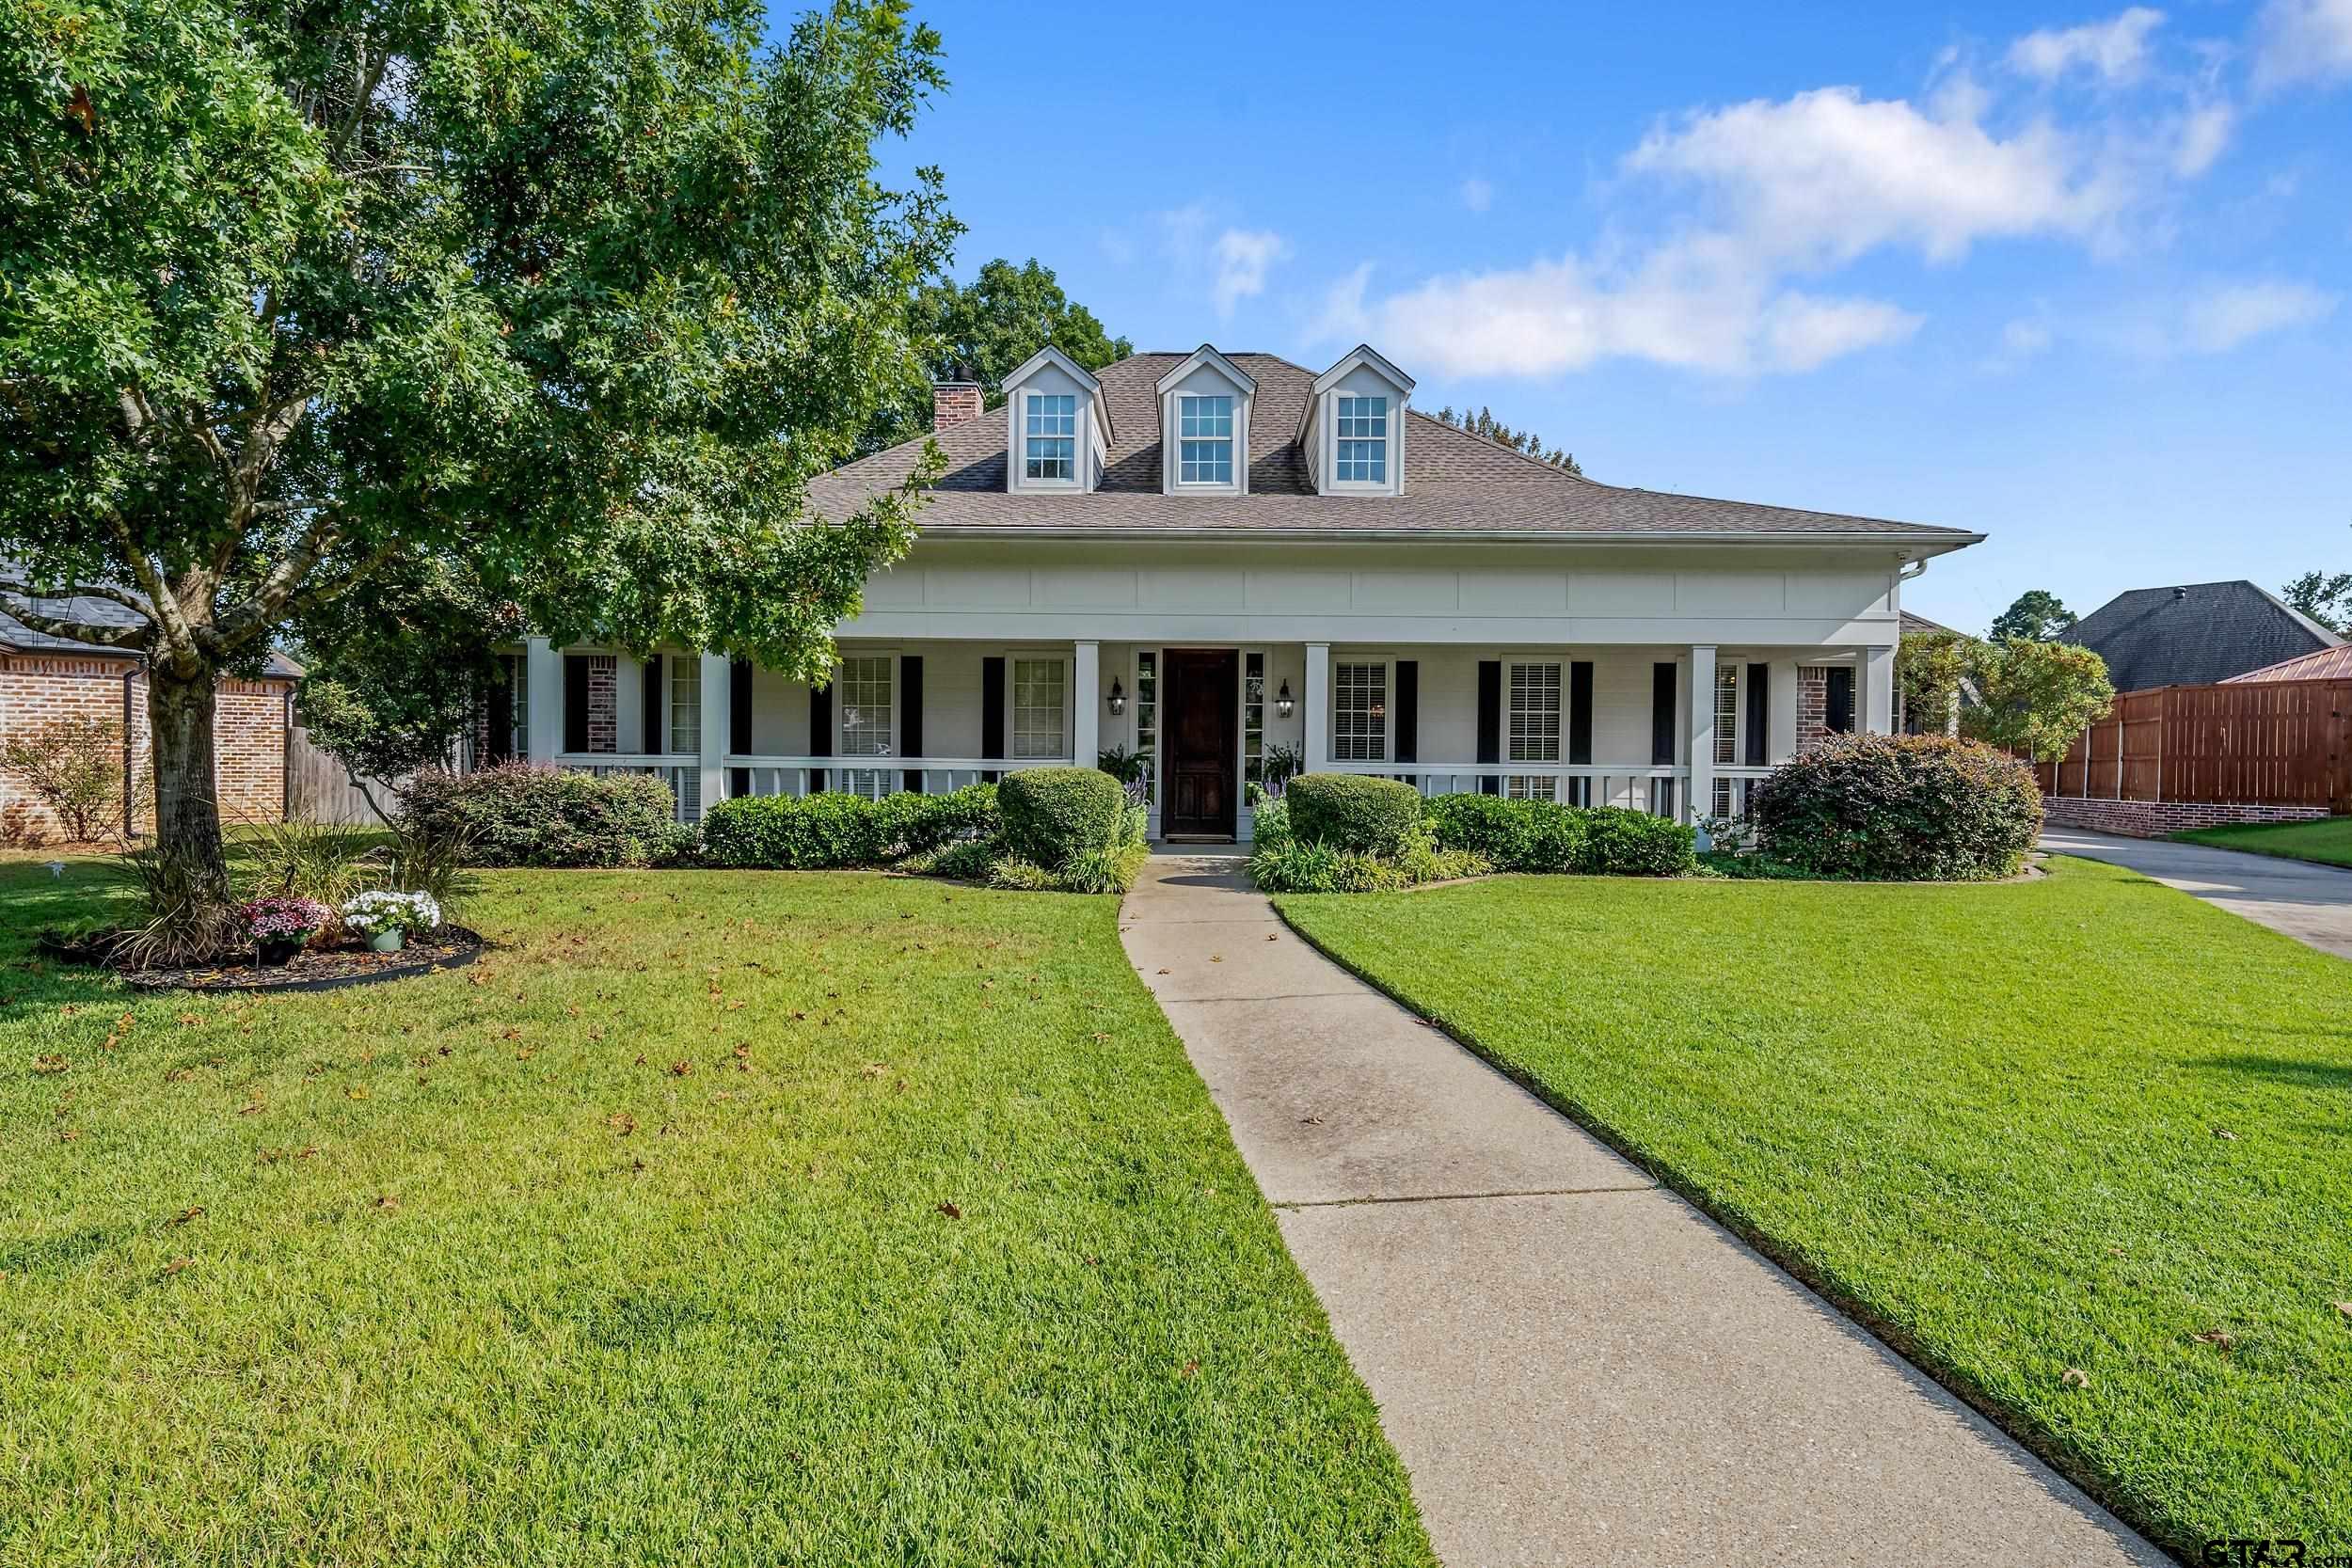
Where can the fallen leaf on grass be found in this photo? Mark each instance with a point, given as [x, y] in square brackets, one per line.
[2220, 1337]
[386, 1201]
[951, 1210]
[679, 1070]
[177, 1264]
[873, 1070]
[358, 1091]
[2343, 1306]
[68, 1135]
[1192, 1368]
[2074, 1377]
[2225, 1133]
[49, 1062]
[252, 1107]
[193, 1211]
[621, 1122]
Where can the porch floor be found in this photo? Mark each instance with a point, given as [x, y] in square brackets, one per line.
[1562, 1350]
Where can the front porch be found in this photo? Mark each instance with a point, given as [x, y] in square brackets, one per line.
[1584, 724]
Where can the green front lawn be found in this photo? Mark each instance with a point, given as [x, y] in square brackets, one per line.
[2073, 1123]
[716, 1218]
[2328, 841]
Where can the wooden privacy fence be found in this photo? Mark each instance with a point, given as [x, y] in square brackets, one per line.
[2269, 743]
[319, 790]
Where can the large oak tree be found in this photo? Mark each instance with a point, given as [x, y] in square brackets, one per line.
[573, 295]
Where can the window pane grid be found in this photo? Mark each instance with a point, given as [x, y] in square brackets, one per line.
[864, 689]
[685, 705]
[1050, 437]
[1205, 447]
[1363, 440]
[1359, 713]
[1039, 705]
[1253, 718]
[1148, 720]
[1535, 713]
[1727, 713]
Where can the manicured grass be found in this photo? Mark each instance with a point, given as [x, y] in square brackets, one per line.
[2068, 1123]
[715, 1218]
[2328, 841]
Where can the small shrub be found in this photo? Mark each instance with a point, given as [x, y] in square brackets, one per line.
[1899, 808]
[74, 767]
[832, 831]
[1547, 836]
[327, 862]
[1287, 864]
[1053, 815]
[1619, 842]
[967, 860]
[518, 815]
[1353, 811]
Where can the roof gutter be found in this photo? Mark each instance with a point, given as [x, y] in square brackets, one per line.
[1954, 540]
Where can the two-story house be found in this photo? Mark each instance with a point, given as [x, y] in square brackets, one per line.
[1203, 556]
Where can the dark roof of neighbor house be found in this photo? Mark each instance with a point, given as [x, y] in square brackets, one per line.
[82, 609]
[2327, 664]
[1456, 482]
[2195, 635]
[1919, 626]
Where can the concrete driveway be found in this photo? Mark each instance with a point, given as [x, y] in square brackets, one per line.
[2309, 903]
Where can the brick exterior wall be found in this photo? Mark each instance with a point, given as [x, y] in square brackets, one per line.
[953, 403]
[1812, 706]
[248, 736]
[2156, 818]
[604, 704]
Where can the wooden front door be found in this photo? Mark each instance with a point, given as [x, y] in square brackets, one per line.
[1202, 738]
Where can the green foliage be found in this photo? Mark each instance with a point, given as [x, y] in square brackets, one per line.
[1547, 836]
[1288, 864]
[324, 862]
[1485, 424]
[981, 331]
[1929, 668]
[1112, 868]
[74, 766]
[837, 831]
[1280, 765]
[576, 299]
[1051, 815]
[2036, 696]
[2325, 596]
[2036, 616]
[1353, 811]
[1127, 766]
[518, 815]
[1898, 808]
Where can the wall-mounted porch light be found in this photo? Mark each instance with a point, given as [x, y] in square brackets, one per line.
[1282, 703]
[1117, 697]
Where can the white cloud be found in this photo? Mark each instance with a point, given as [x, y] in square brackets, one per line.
[2230, 315]
[2303, 40]
[1477, 195]
[1243, 257]
[2204, 133]
[2115, 50]
[2023, 339]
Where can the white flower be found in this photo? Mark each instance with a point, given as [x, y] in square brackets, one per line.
[382, 910]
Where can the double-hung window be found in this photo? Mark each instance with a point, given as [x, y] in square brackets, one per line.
[1052, 436]
[1534, 728]
[1359, 712]
[864, 691]
[1364, 438]
[686, 704]
[1205, 440]
[1041, 706]
[1726, 731]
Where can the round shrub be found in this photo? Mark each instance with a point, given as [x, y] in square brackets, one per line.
[1899, 808]
[519, 814]
[1619, 842]
[833, 831]
[1513, 836]
[1353, 813]
[1051, 815]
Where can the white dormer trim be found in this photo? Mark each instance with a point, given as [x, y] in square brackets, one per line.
[1362, 372]
[1205, 371]
[1092, 435]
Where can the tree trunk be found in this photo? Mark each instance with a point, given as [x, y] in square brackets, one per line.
[188, 808]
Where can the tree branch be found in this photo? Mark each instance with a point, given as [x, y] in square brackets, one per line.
[267, 603]
[74, 631]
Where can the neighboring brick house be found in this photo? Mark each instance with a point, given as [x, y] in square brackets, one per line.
[43, 678]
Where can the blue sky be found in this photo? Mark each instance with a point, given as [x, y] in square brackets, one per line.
[2081, 279]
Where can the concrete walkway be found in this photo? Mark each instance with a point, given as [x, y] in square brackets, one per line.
[1576, 1366]
[2309, 903]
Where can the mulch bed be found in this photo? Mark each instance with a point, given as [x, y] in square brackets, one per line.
[327, 968]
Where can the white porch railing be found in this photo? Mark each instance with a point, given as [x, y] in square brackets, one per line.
[1733, 784]
[681, 772]
[1641, 788]
[872, 777]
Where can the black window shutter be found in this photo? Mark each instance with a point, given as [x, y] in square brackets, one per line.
[819, 730]
[911, 716]
[575, 701]
[739, 722]
[1661, 714]
[649, 707]
[1581, 713]
[499, 745]
[1490, 720]
[1760, 715]
[992, 712]
[1408, 710]
[1841, 699]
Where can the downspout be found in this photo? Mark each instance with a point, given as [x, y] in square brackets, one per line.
[130, 778]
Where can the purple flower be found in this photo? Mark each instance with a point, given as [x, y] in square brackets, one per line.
[281, 919]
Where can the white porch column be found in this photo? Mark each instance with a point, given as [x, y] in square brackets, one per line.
[1701, 803]
[1875, 691]
[716, 705]
[1085, 692]
[1314, 719]
[543, 691]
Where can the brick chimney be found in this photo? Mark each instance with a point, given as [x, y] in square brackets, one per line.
[953, 403]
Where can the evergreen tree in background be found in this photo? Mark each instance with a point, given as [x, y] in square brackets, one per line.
[1485, 424]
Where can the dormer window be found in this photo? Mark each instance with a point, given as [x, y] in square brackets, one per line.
[1051, 452]
[1205, 428]
[1363, 435]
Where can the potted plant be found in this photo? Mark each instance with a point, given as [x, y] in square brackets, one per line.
[385, 919]
[279, 926]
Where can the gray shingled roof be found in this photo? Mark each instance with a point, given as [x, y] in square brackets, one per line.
[2195, 635]
[1454, 482]
[17, 636]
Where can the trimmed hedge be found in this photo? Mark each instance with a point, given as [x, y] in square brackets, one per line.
[518, 815]
[1352, 812]
[1054, 814]
[832, 831]
[1547, 836]
[1898, 808]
